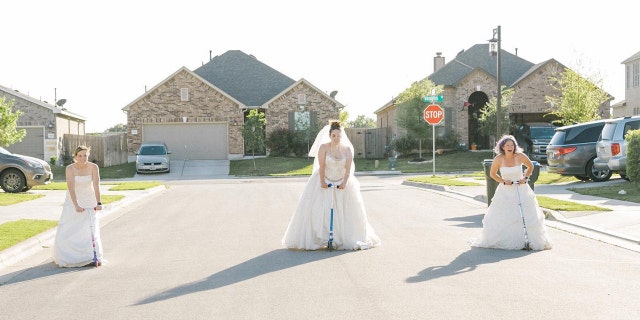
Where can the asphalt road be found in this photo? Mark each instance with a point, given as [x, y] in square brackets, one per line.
[210, 249]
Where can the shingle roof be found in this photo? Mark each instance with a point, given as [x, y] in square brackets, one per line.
[243, 77]
[478, 57]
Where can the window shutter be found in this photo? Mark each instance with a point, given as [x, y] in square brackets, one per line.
[292, 121]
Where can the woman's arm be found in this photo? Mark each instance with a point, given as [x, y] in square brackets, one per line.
[95, 178]
[347, 171]
[322, 162]
[71, 186]
[527, 163]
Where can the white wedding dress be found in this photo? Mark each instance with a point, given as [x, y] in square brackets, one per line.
[73, 246]
[502, 224]
[309, 226]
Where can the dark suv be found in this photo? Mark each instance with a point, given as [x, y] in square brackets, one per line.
[572, 151]
[612, 147]
[534, 137]
[19, 173]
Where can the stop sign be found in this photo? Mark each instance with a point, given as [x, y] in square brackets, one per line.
[433, 114]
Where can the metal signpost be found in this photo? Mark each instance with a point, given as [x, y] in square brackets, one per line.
[433, 115]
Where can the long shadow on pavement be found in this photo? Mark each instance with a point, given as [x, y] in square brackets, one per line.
[466, 262]
[37, 272]
[269, 262]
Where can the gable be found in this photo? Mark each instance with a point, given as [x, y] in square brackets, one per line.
[244, 77]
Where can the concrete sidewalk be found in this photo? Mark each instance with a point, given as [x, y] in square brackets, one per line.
[620, 226]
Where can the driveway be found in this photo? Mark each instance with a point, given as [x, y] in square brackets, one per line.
[190, 169]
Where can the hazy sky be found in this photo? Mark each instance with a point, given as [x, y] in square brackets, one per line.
[101, 56]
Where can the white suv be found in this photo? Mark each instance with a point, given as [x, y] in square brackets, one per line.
[611, 148]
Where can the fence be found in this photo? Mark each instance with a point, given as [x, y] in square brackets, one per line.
[107, 150]
[368, 143]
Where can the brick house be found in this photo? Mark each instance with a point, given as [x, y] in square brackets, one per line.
[45, 125]
[199, 114]
[470, 80]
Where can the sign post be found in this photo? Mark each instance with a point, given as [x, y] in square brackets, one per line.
[433, 115]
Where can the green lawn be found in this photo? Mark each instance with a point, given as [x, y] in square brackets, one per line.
[14, 232]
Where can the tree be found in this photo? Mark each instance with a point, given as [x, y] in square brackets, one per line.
[9, 133]
[411, 108]
[487, 122]
[580, 97]
[120, 127]
[253, 132]
[343, 116]
[362, 122]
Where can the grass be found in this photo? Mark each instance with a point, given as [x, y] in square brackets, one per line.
[14, 232]
[7, 199]
[121, 171]
[561, 205]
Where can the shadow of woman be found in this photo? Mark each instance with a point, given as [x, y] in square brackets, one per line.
[466, 262]
[41, 271]
[269, 262]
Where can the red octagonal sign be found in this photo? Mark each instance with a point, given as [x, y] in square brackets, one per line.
[433, 114]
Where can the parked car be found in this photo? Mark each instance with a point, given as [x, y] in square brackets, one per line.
[153, 157]
[573, 149]
[20, 173]
[611, 148]
[534, 137]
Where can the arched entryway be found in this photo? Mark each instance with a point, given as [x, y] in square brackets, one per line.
[477, 101]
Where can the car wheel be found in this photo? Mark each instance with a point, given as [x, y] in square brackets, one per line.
[13, 181]
[597, 175]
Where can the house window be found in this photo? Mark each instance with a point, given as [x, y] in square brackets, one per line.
[636, 74]
[302, 98]
[302, 120]
[184, 94]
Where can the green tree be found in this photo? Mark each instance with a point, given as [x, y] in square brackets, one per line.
[487, 122]
[9, 133]
[343, 116]
[362, 122]
[120, 127]
[579, 99]
[411, 108]
[253, 132]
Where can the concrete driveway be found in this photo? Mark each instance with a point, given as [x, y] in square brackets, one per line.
[191, 170]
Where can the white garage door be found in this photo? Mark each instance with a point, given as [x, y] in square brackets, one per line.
[32, 144]
[190, 141]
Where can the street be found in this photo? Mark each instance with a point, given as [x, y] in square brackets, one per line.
[210, 249]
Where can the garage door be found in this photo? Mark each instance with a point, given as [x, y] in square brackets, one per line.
[32, 144]
[190, 141]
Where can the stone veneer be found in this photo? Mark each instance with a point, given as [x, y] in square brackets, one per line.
[207, 105]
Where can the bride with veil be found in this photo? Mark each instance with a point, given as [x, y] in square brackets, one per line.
[309, 226]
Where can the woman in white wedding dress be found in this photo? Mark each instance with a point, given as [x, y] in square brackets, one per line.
[502, 225]
[309, 226]
[73, 244]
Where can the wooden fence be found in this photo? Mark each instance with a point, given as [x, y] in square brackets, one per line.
[107, 149]
[368, 143]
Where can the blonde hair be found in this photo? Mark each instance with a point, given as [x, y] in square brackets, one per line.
[81, 148]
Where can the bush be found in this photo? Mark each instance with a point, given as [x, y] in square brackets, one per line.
[448, 141]
[633, 156]
[404, 145]
[53, 160]
[280, 142]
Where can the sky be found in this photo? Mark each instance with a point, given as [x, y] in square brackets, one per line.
[101, 56]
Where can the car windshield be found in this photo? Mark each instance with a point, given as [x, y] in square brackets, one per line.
[152, 151]
[542, 132]
[5, 151]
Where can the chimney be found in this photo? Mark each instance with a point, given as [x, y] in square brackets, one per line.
[438, 61]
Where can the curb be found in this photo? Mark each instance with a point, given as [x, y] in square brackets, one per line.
[28, 247]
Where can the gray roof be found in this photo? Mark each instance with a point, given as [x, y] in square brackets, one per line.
[478, 57]
[244, 78]
[632, 58]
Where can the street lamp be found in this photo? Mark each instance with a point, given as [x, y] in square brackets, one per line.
[494, 49]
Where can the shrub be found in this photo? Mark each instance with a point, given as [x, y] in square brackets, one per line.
[404, 145]
[280, 142]
[633, 156]
[53, 160]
